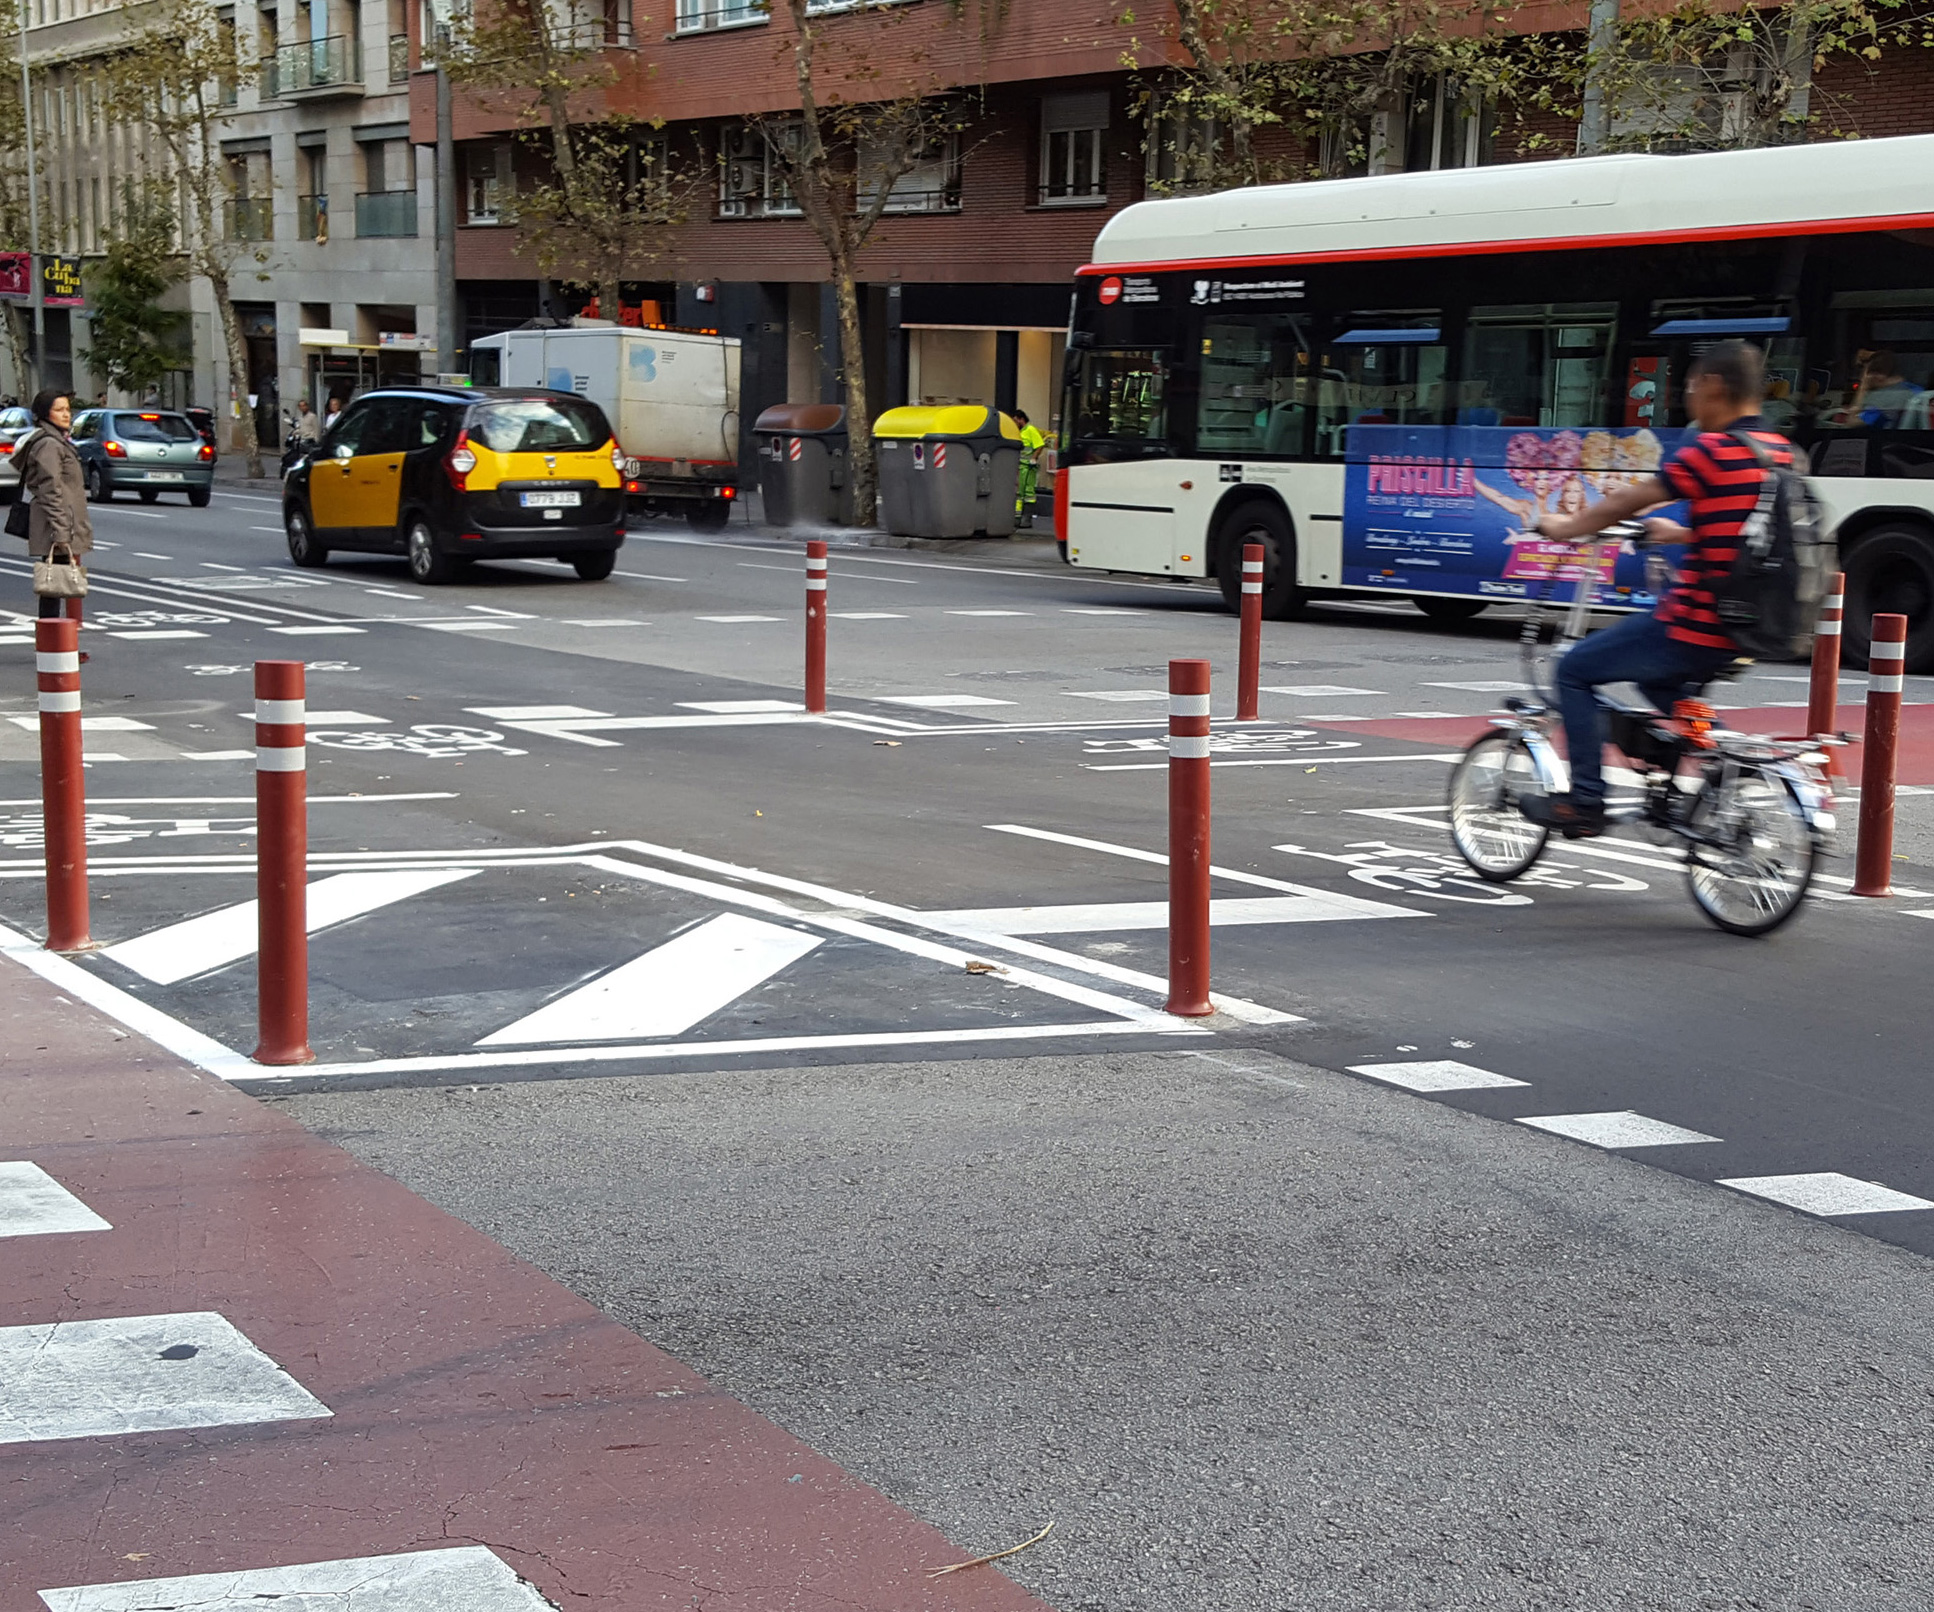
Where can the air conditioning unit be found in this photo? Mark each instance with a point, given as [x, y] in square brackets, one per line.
[733, 207]
[742, 178]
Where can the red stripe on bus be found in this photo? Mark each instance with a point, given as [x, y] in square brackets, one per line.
[1566, 243]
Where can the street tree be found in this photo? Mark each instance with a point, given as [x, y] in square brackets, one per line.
[609, 194]
[842, 156]
[14, 232]
[136, 342]
[169, 79]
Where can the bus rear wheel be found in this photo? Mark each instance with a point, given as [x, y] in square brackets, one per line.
[1448, 611]
[1892, 569]
[1260, 521]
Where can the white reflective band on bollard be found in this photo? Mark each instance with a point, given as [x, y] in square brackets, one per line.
[1894, 684]
[279, 712]
[1252, 587]
[1252, 568]
[815, 584]
[60, 700]
[1188, 705]
[57, 660]
[1188, 746]
[281, 758]
[1833, 601]
[1827, 629]
[1886, 649]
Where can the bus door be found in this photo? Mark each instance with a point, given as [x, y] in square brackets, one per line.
[1120, 409]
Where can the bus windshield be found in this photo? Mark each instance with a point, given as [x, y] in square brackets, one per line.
[1121, 395]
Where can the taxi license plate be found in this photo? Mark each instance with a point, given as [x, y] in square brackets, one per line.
[557, 500]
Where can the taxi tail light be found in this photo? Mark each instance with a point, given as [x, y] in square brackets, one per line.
[617, 457]
[204, 453]
[459, 462]
[114, 450]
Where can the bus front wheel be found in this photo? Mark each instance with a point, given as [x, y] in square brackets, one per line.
[1260, 522]
[1447, 612]
[1891, 569]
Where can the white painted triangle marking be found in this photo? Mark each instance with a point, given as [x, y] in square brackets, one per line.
[1105, 917]
[215, 939]
[669, 989]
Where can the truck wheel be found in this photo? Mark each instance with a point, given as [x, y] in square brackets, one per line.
[1448, 611]
[709, 516]
[1260, 521]
[594, 567]
[1891, 569]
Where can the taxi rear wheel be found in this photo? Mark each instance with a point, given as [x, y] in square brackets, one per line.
[428, 566]
[594, 567]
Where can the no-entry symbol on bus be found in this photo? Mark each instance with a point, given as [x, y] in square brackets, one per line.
[1109, 292]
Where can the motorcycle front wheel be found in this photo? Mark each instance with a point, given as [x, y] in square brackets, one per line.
[1490, 833]
[1756, 874]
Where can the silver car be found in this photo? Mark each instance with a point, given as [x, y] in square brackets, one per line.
[148, 451]
[15, 423]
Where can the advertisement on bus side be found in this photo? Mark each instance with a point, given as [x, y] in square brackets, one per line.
[1447, 509]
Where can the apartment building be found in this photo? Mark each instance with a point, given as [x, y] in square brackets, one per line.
[328, 189]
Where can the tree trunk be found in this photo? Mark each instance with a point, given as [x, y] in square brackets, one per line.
[238, 373]
[859, 419]
[20, 347]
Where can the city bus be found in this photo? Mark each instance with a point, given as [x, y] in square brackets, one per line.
[1385, 380]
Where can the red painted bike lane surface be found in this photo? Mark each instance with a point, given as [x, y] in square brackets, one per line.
[473, 1400]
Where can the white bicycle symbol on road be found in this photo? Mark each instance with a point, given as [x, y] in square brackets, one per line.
[1405, 870]
[435, 740]
[1302, 740]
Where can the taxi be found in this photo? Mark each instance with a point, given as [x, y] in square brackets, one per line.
[449, 475]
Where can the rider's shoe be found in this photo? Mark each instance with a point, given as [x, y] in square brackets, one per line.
[1577, 818]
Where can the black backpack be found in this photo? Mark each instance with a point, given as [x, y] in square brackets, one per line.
[1770, 597]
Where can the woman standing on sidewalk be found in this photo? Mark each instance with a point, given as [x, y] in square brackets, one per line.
[50, 475]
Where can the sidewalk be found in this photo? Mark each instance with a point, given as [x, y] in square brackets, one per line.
[228, 1348]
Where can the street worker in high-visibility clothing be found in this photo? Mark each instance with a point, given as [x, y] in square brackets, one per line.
[1032, 442]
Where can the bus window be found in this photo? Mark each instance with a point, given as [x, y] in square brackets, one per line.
[1381, 368]
[1121, 395]
[1882, 362]
[1544, 364]
[1254, 367]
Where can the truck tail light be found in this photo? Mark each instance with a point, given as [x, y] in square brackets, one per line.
[459, 462]
[114, 450]
[728, 492]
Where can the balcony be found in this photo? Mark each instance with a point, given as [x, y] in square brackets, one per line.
[385, 214]
[399, 58]
[315, 70]
[312, 219]
[251, 218]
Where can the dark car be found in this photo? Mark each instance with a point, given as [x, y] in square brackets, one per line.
[447, 475]
[147, 451]
[203, 421]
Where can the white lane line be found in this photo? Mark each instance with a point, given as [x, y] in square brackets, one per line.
[235, 800]
[246, 498]
[1317, 690]
[467, 626]
[989, 612]
[531, 713]
[140, 1374]
[1496, 685]
[1274, 761]
[139, 555]
[646, 576]
[729, 707]
[1116, 696]
[145, 514]
[1435, 1074]
[331, 719]
[1235, 875]
[216, 565]
[603, 621]
[216, 939]
[1622, 1128]
[492, 610]
[1098, 918]
[275, 529]
[93, 724]
[316, 632]
[866, 615]
[1827, 1192]
[34, 1204]
[670, 988]
[729, 620]
[1102, 610]
[158, 633]
[391, 593]
[846, 576]
[218, 755]
[466, 1576]
[924, 702]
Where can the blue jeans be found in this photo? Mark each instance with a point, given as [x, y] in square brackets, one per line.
[1637, 650]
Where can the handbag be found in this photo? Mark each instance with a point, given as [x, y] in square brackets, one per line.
[55, 578]
[19, 514]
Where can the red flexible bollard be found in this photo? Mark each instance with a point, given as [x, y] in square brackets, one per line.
[1823, 691]
[1188, 839]
[63, 790]
[281, 864]
[1249, 656]
[816, 627]
[1873, 861]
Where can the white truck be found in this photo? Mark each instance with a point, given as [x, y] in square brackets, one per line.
[671, 395]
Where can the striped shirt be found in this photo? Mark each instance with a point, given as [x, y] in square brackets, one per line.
[1720, 479]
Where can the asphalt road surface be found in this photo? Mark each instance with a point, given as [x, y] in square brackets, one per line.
[564, 832]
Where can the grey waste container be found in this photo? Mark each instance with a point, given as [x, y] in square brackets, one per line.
[948, 471]
[802, 464]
